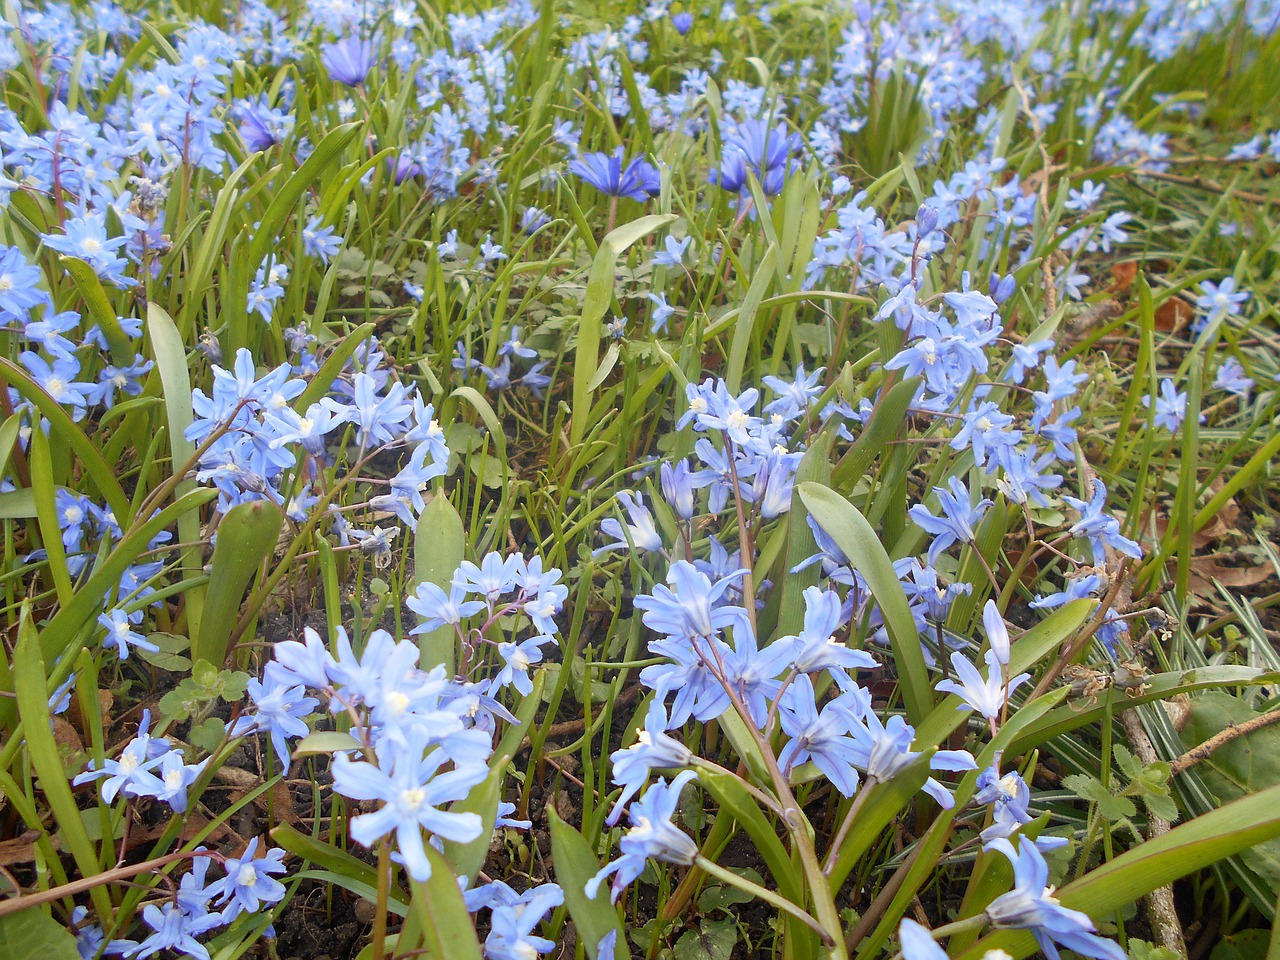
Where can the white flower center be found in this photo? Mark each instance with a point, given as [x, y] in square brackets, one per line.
[247, 876]
[412, 799]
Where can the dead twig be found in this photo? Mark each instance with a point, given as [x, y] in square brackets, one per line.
[1232, 732]
[1161, 912]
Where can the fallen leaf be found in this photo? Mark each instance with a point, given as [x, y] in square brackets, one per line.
[18, 850]
[1123, 274]
[1204, 570]
[1173, 315]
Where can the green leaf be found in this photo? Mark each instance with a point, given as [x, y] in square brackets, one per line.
[339, 862]
[100, 309]
[175, 380]
[322, 158]
[326, 742]
[319, 385]
[438, 549]
[32, 683]
[1183, 850]
[760, 283]
[734, 800]
[599, 297]
[466, 859]
[860, 543]
[43, 490]
[438, 917]
[713, 940]
[1160, 686]
[886, 422]
[33, 933]
[883, 805]
[246, 537]
[1237, 768]
[575, 864]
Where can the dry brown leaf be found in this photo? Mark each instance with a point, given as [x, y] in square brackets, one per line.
[1204, 570]
[1173, 315]
[19, 850]
[1123, 275]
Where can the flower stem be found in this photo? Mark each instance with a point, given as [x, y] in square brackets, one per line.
[380, 914]
[783, 904]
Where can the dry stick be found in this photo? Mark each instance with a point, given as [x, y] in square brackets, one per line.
[26, 900]
[1233, 730]
[1161, 912]
[1204, 184]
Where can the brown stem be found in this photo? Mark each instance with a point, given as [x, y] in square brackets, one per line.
[1161, 912]
[22, 902]
[1233, 730]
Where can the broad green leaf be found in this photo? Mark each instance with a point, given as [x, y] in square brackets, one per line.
[883, 804]
[575, 864]
[326, 742]
[246, 537]
[466, 859]
[1243, 766]
[100, 309]
[885, 423]
[860, 543]
[734, 800]
[1183, 850]
[438, 917]
[319, 385]
[599, 296]
[33, 933]
[1160, 686]
[43, 490]
[283, 201]
[31, 679]
[175, 380]
[338, 862]
[438, 549]
[760, 283]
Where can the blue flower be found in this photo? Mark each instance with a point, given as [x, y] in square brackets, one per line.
[121, 635]
[249, 884]
[349, 60]
[1031, 905]
[637, 179]
[281, 708]
[672, 254]
[412, 789]
[754, 147]
[987, 696]
[654, 748]
[642, 530]
[652, 834]
[917, 942]
[1098, 528]
[683, 22]
[958, 522]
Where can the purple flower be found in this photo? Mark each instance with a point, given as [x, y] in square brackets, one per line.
[683, 22]
[349, 60]
[637, 179]
[403, 167]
